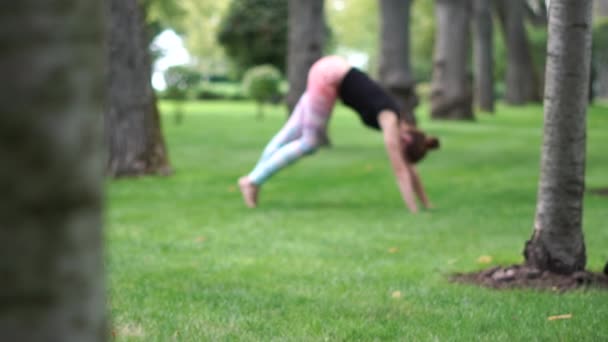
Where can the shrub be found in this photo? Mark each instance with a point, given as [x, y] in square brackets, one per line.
[262, 83]
[181, 81]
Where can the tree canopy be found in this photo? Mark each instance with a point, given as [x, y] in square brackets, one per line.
[254, 32]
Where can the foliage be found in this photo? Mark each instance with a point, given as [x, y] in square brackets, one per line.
[332, 254]
[162, 14]
[197, 22]
[201, 24]
[354, 26]
[220, 91]
[181, 80]
[254, 32]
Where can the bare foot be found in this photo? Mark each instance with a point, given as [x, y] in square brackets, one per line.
[249, 191]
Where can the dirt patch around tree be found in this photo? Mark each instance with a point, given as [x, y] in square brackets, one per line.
[599, 191]
[524, 277]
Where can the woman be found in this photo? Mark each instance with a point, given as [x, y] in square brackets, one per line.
[306, 130]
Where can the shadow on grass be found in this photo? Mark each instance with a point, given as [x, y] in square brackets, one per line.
[327, 205]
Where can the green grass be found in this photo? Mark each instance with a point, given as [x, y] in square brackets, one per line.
[332, 241]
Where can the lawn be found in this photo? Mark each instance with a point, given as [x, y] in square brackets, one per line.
[332, 254]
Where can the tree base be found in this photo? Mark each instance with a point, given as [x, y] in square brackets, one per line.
[526, 277]
[451, 109]
[599, 191]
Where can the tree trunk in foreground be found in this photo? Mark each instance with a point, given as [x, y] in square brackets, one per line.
[557, 243]
[484, 55]
[451, 93]
[51, 262]
[521, 79]
[132, 123]
[395, 70]
[305, 44]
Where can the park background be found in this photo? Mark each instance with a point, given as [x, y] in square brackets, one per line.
[331, 254]
[122, 216]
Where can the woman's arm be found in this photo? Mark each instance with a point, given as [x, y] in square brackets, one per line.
[389, 123]
[419, 189]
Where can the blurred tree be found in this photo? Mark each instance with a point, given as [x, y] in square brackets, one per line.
[182, 82]
[395, 72]
[557, 242]
[483, 54]
[307, 32]
[602, 8]
[254, 32]
[521, 81]
[132, 122]
[354, 28]
[423, 24]
[451, 93]
[536, 12]
[51, 257]
[163, 14]
[600, 57]
[262, 84]
[201, 24]
[181, 79]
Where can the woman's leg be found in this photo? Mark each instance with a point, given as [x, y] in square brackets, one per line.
[289, 132]
[308, 130]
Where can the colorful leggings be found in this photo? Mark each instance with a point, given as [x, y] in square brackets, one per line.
[303, 134]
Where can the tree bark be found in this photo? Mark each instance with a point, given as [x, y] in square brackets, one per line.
[601, 80]
[601, 56]
[602, 8]
[51, 260]
[451, 93]
[132, 123]
[557, 243]
[394, 62]
[484, 54]
[307, 30]
[521, 81]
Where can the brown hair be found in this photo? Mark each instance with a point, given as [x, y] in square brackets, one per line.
[416, 149]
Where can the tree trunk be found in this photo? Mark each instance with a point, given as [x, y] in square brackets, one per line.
[132, 122]
[484, 55]
[521, 79]
[557, 243]
[600, 67]
[395, 69]
[601, 80]
[51, 260]
[602, 8]
[451, 94]
[306, 39]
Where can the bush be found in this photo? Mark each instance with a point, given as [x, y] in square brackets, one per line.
[262, 84]
[181, 81]
[220, 91]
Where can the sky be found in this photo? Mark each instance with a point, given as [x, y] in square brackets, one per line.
[173, 53]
